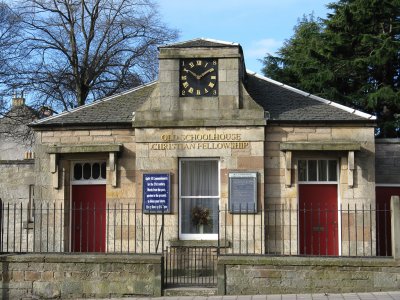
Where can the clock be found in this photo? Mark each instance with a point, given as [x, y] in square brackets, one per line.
[198, 77]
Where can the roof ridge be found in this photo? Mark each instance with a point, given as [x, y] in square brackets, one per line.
[101, 100]
[314, 97]
[202, 39]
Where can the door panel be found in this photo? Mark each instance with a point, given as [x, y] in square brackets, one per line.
[318, 219]
[383, 219]
[88, 218]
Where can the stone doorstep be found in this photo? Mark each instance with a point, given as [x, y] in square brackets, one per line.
[190, 291]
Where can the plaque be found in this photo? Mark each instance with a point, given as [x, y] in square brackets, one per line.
[243, 192]
[156, 193]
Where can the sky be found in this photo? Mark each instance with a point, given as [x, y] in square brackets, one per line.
[259, 26]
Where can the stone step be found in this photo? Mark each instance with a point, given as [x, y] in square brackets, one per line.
[190, 291]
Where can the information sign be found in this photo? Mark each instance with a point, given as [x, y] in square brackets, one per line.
[243, 192]
[156, 192]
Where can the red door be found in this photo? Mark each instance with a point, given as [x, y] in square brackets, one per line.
[383, 223]
[318, 219]
[88, 218]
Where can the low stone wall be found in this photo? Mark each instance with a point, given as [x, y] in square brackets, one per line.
[79, 276]
[239, 275]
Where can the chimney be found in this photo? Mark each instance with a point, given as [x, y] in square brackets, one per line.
[45, 112]
[18, 101]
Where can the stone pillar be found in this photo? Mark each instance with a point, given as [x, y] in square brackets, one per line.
[395, 218]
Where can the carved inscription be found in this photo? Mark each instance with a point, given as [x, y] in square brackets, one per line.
[202, 141]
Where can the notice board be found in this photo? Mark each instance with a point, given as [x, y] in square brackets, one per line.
[243, 192]
[156, 193]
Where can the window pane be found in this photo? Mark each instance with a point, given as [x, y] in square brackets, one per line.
[199, 178]
[312, 170]
[302, 170]
[199, 215]
[322, 170]
[96, 170]
[78, 172]
[87, 168]
[103, 170]
[332, 170]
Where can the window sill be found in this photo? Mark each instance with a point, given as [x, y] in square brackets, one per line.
[200, 243]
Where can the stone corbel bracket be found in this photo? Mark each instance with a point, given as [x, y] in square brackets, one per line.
[112, 149]
[349, 147]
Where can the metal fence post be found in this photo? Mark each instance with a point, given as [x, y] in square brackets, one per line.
[395, 216]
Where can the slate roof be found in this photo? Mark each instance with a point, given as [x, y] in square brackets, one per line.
[287, 104]
[114, 110]
[282, 102]
[202, 42]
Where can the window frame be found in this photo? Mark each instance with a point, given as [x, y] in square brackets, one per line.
[317, 171]
[83, 181]
[197, 236]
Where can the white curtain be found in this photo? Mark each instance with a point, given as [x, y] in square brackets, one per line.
[199, 181]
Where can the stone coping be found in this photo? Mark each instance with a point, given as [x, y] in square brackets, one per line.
[82, 258]
[84, 148]
[388, 141]
[17, 162]
[309, 261]
[319, 146]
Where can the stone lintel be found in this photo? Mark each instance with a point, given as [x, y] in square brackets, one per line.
[320, 146]
[112, 149]
[84, 148]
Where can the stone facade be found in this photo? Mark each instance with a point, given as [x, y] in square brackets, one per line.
[16, 154]
[234, 128]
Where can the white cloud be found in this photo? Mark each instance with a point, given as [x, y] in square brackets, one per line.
[258, 49]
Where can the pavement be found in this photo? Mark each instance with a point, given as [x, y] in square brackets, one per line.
[347, 296]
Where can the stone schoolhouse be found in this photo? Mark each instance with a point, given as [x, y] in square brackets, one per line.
[210, 145]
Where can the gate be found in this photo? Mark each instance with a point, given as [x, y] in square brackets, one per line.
[190, 266]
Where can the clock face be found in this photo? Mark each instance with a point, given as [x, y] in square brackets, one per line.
[198, 77]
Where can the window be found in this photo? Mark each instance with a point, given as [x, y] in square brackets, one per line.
[89, 172]
[322, 170]
[199, 198]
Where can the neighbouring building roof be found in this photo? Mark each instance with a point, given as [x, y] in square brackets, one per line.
[113, 110]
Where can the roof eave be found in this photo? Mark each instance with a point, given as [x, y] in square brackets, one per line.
[92, 126]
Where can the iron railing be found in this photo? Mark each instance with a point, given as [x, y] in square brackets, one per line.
[186, 265]
[45, 227]
[351, 230]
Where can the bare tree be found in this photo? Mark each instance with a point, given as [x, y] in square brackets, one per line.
[80, 50]
[10, 25]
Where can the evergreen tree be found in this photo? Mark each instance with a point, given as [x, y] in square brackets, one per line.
[352, 57]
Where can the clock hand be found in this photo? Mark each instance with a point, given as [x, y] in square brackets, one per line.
[193, 73]
[206, 72]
